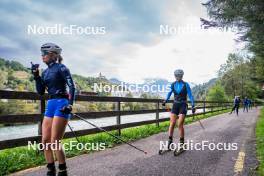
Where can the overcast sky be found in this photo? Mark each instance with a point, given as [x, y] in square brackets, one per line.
[132, 47]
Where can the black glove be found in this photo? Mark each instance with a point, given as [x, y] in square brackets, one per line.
[163, 103]
[193, 109]
[35, 70]
[66, 109]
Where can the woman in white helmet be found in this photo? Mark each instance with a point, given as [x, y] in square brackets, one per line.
[55, 79]
[181, 90]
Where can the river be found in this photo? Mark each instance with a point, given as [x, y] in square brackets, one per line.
[20, 131]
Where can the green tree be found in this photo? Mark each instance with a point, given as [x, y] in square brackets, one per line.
[3, 79]
[247, 18]
[216, 93]
[128, 105]
[17, 107]
[236, 76]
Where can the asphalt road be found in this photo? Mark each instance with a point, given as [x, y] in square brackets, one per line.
[124, 160]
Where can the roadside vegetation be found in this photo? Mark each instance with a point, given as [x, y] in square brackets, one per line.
[260, 142]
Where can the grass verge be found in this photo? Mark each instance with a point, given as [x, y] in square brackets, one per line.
[19, 158]
[260, 142]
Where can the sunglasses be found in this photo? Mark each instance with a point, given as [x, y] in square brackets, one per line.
[178, 76]
[44, 53]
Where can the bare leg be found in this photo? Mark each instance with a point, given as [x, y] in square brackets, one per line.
[58, 129]
[173, 118]
[46, 138]
[180, 125]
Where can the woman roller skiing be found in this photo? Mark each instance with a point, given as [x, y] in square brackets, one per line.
[55, 79]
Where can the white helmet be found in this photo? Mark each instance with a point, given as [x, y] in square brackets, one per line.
[178, 73]
[50, 47]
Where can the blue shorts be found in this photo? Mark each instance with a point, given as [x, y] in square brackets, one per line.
[54, 106]
[179, 108]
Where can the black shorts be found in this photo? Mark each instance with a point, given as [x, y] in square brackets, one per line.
[179, 108]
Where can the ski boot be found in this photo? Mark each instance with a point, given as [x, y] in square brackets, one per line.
[162, 151]
[51, 169]
[62, 170]
[179, 150]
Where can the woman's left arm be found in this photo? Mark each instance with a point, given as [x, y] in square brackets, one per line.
[189, 92]
[69, 81]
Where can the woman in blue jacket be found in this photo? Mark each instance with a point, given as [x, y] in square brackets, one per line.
[181, 90]
[55, 79]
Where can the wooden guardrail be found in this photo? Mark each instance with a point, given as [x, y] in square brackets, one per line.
[213, 106]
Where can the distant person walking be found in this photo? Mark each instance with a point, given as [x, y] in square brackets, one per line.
[246, 104]
[249, 104]
[236, 105]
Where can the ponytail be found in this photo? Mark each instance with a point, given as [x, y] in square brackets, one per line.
[59, 58]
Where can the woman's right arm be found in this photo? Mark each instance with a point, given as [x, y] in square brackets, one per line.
[40, 86]
[169, 93]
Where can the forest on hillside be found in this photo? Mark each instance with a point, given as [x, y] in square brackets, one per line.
[16, 77]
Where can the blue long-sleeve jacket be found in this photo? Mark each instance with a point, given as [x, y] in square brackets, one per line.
[237, 101]
[246, 101]
[55, 78]
[177, 87]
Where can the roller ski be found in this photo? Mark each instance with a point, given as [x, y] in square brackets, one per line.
[179, 150]
[168, 149]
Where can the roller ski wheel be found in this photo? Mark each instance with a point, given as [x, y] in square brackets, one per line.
[179, 151]
[161, 152]
[166, 150]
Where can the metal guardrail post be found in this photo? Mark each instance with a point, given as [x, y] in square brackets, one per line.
[41, 111]
[118, 118]
[157, 114]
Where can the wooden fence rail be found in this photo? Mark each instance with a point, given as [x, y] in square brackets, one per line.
[213, 106]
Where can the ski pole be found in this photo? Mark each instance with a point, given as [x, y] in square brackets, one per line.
[119, 138]
[73, 133]
[198, 121]
[201, 124]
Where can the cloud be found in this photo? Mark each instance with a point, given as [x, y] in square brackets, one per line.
[132, 48]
